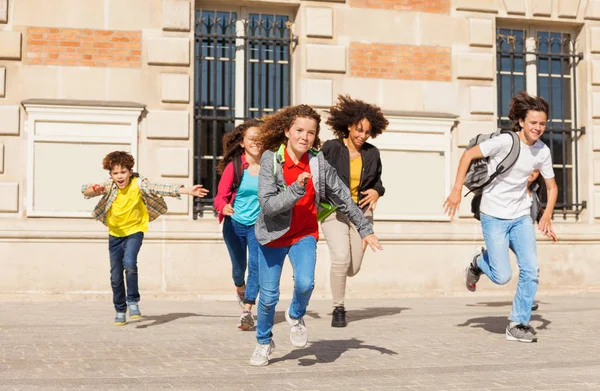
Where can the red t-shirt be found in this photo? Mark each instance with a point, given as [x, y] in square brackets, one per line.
[304, 213]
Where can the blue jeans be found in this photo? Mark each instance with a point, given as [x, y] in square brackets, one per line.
[518, 235]
[303, 257]
[123, 257]
[238, 238]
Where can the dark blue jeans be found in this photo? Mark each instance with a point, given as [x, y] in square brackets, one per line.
[123, 257]
[239, 238]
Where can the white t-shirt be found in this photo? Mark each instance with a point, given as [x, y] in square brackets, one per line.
[506, 197]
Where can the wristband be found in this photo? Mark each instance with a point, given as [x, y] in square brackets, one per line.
[94, 188]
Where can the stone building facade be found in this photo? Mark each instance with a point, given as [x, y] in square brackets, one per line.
[165, 78]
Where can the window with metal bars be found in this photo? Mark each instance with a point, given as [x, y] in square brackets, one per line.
[242, 70]
[545, 64]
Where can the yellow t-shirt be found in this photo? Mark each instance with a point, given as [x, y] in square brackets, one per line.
[128, 214]
[355, 171]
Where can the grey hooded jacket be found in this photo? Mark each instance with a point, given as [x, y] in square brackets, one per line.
[277, 200]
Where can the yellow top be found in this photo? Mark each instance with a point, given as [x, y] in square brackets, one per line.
[128, 214]
[355, 171]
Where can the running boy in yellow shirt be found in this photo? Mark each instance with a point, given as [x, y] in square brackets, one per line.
[128, 203]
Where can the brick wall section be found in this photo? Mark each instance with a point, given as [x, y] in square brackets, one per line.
[405, 62]
[437, 6]
[83, 47]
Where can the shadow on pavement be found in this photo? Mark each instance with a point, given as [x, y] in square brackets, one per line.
[497, 324]
[328, 351]
[373, 312]
[162, 319]
[497, 304]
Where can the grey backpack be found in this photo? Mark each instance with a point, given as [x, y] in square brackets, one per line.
[478, 175]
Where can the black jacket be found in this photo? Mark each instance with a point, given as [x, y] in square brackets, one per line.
[337, 154]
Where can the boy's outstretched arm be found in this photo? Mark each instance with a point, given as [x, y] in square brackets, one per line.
[93, 190]
[196, 191]
[453, 201]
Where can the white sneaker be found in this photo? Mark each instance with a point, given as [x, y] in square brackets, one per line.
[246, 321]
[298, 331]
[261, 354]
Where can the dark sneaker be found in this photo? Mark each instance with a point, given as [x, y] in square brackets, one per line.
[120, 319]
[473, 272]
[338, 318]
[246, 321]
[535, 307]
[520, 332]
[261, 354]
[298, 331]
[134, 311]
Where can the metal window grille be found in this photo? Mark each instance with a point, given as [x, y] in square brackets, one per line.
[545, 64]
[242, 70]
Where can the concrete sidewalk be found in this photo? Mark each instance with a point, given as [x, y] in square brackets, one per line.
[407, 344]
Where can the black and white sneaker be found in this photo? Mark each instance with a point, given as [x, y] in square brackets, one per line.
[520, 332]
[473, 272]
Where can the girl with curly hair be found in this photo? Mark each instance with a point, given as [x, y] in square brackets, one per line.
[359, 166]
[237, 204]
[505, 210]
[295, 182]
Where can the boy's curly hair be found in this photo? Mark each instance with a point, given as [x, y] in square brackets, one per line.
[118, 158]
[521, 103]
[232, 140]
[273, 130]
[348, 112]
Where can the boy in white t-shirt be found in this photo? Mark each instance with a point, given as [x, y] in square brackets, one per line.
[505, 209]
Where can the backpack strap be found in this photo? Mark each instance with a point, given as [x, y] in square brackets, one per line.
[238, 171]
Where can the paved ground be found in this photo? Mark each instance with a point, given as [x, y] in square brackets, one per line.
[408, 344]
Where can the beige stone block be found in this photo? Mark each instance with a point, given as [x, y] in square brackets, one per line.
[448, 30]
[596, 138]
[133, 85]
[60, 13]
[595, 39]
[475, 66]
[597, 205]
[568, 8]
[9, 197]
[83, 83]
[468, 129]
[174, 162]
[325, 58]
[440, 97]
[147, 14]
[168, 51]
[596, 104]
[172, 124]
[482, 100]
[1, 158]
[481, 32]
[2, 82]
[406, 95]
[175, 87]
[10, 45]
[25, 81]
[178, 207]
[319, 22]
[597, 171]
[391, 27]
[9, 120]
[595, 72]
[477, 5]
[365, 89]
[515, 7]
[3, 11]
[317, 92]
[542, 7]
[592, 11]
[176, 15]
